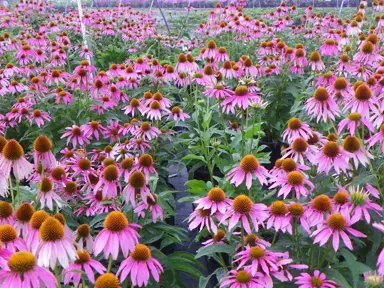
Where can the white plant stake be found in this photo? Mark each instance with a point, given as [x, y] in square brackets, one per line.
[83, 30]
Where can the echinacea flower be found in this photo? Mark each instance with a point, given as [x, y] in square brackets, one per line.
[152, 205]
[367, 55]
[107, 280]
[329, 48]
[10, 239]
[317, 209]
[144, 164]
[279, 217]
[340, 89]
[216, 201]
[242, 98]
[32, 238]
[75, 134]
[318, 280]
[43, 153]
[299, 150]
[23, 215]
[259, 259]
[248, 166]
[242, 208]
[55, 245]
[176, 113]
[109, 181]
[117, 233]
[362, 102]
[4, 256]
[146, 131]
[336, 226]
[372, 279]
[46, 194]
[139, 266]
[378, 137]
[83, 237]
[218, 238]
[12, 157]
[7, 216]
[353, 122]
[360, 204]
[22, 271]
[296, 128]
[315, 61]
[202, 218]
[380, 259]
[332, 155]
[321, 106]
[240, 279]
[93, 128]
[136, 184]
[297, 211]
[295, 180]
[84, 263]
[357, 152]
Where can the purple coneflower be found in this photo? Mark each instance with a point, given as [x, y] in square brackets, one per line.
[321, 106]
[84, 263]
[318, 280]
[242, 207]
[333, 155]
[54, 245]
[139, 266]
[22, 271]
[117, 233]
[248, 166]
[336, 226]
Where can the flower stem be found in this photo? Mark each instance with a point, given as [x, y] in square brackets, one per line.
[325, 255]
[310, 258]
[83, 280]
[110, 263]
[58, 278]
[18, 192]
[11, 188]
[274, 238]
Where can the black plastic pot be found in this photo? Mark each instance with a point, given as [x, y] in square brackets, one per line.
[203, 174]
[275, 148]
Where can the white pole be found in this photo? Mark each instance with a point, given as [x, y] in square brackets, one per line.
[83, 30]
[341, 7]
[150, 8]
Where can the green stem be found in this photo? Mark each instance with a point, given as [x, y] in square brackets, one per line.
[58, 277]
[11, 188]
[253, 125]
[310, 258]
[222, 261]
[325, 256]
[274, 238]
[330, 258]
[242, 134]
[18, 192]
[110, 263]
[83, 280]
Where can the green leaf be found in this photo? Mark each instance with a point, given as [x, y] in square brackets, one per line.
[291, 89]
[98, 219]
[193, 157]
[203, 281]
[356, 268]
[215, 248]
[253, 130]
[196, 186]
[336, 276]
[207, 120]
